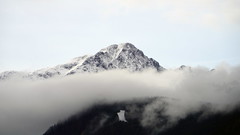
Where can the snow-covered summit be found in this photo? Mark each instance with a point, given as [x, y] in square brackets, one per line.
[118, 56]
[122, 56]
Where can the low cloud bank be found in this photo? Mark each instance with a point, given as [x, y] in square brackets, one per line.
[30, 107]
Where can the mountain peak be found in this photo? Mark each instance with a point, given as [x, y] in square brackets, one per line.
[119, 47]
[127, 46]
[117, 56]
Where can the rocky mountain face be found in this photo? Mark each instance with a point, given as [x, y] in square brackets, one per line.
[118, 56]
[122, 56]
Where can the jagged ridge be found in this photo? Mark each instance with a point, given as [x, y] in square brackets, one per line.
[122, 56]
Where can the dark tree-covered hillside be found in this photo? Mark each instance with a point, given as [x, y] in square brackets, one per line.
[102, 119]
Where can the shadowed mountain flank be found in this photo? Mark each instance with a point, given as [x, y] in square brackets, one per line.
[102, 119]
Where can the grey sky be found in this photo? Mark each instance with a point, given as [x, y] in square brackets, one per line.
[40, 33]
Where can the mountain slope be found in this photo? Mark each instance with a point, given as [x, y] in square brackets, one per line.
[102, 119]
[122, 56]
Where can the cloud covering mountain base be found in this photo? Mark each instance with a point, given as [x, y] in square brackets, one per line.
[31, 107]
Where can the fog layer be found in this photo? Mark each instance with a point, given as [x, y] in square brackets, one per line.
[30, 107]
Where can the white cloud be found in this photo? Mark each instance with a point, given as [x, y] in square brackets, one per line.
[30, 107]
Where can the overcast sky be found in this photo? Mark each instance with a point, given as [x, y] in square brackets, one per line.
[41, 33]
